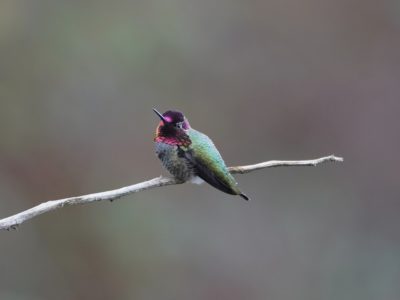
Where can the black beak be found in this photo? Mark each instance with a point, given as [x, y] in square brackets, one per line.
[160, 115]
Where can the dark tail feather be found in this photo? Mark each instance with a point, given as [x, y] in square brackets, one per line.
[244, 196]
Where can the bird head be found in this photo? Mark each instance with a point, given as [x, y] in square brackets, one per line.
[173, 119]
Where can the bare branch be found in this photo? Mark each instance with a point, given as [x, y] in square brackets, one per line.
[283, 163]
[12, 222]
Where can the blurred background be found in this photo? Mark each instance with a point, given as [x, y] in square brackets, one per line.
[266, 80]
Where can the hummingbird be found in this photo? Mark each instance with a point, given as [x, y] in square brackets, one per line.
[190, 155]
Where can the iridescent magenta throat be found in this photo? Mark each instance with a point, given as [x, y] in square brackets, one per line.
[174, 141]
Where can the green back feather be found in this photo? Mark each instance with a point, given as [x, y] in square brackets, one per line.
[208, 159]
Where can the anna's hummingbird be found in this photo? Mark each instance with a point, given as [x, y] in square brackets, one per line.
[189, 154]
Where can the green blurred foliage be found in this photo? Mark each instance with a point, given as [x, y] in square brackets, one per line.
[266, 80]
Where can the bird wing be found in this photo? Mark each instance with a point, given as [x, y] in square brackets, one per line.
[209, 165]
[209, 176]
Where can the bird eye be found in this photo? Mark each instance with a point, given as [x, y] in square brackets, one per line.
[179, 125]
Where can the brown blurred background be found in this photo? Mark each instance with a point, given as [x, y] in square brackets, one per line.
[266, 80]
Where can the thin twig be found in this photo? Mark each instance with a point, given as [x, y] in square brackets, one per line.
[14, 221]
